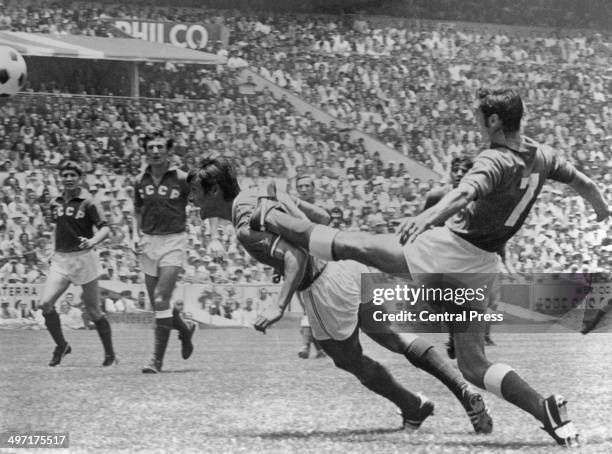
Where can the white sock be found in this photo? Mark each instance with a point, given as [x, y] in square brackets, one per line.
[321, 241]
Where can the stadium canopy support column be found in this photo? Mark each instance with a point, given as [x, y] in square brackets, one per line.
[134, 79]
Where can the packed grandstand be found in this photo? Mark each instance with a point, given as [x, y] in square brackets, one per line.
[406, 83]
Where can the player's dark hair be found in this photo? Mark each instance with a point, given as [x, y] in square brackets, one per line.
[216, 171]
[463, 161]
[156, 134]
[70, 165]
[506, 103]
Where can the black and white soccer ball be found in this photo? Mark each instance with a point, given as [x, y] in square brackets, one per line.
[13, 71]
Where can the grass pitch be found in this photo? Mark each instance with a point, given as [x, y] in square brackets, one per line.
[245, 392]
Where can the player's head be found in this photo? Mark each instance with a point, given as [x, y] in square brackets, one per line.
[212, 186]
[157, 148]
[305, 186]
[70, 174]
[459, 167]
[498, 109]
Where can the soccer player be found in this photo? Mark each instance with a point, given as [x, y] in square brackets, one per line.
[487, 208]
[305, 186]
[459, 167]
[160, 199]
[331, 295]
[74, 261]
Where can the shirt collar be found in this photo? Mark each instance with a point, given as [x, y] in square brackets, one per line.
[79, 196]
[172, 168]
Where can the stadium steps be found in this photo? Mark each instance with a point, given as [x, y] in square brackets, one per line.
[415, 168]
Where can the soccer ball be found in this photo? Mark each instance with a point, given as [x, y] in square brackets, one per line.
[13, 71]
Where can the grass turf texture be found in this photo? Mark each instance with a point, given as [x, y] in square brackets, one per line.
[245, 392]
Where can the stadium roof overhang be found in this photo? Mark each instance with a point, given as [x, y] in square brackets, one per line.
[97, 48]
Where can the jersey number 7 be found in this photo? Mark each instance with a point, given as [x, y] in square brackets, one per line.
[531, 183]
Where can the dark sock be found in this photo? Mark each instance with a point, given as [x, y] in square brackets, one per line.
[379, 380]
[162, 333]
[52, 322]
[178, 323]
[424, 356]
[518, 392]
[104, 331]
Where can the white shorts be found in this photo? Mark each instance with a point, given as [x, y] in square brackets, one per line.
[440, 251]
[163, 250]
[79, 267]
[332, 301]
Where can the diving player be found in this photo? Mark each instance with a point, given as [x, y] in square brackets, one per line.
[331, 295]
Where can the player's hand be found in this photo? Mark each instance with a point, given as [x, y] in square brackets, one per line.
[267, 318]
[85, 243]
[411, 228]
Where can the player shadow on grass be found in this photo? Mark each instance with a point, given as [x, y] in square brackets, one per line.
[412, 438]
[335, 434]
[180, 371]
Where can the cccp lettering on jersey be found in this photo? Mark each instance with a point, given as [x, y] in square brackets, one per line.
[70, 212]
[162, 190]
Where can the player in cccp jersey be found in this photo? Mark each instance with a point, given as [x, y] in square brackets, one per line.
[74, 260]
[487, 208]
[160, 199]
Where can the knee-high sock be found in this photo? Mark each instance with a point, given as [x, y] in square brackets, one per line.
[53, 324]
[179, 324]
[105, 333]
[423, 355]
[162, 333]
[504, 382]
[315, 238]
[378, 379]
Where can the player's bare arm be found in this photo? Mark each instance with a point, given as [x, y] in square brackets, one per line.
[449, 205]
[313, 212]
[138, 218]
[89, 243]
[589, 191]
[294, 260]
[300, 208]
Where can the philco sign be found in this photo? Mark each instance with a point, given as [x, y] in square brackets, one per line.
[193, 36]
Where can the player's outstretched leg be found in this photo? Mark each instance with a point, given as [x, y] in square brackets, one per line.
[91, 296]
[55, 285]
[348, 355]
[504, 382]
[379, 251]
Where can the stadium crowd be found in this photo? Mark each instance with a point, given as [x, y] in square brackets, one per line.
[410, 87]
